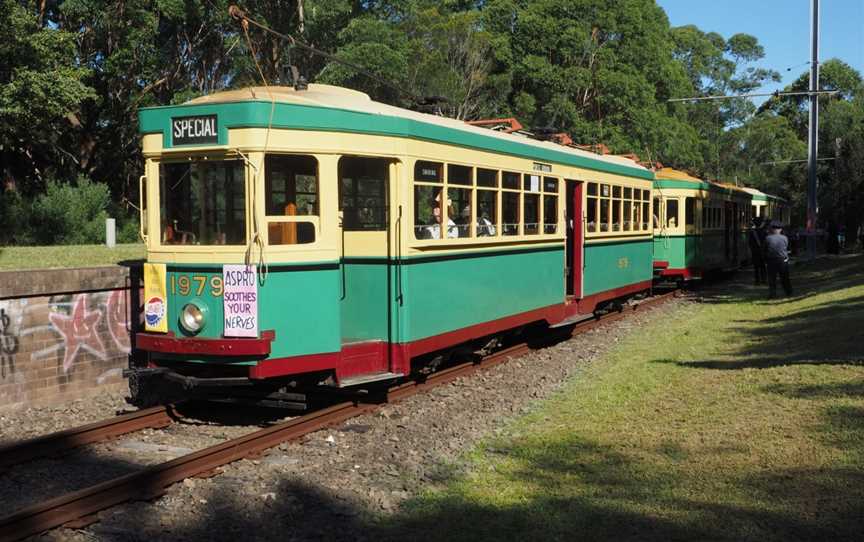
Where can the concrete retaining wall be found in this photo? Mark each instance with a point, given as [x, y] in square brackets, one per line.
[64, 333]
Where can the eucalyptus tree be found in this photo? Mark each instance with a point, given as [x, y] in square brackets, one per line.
[41, 85]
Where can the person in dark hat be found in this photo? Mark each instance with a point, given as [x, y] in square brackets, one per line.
[776, 253]
[756, 240]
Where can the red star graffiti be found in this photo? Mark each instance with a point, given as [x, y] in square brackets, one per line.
[79, 331]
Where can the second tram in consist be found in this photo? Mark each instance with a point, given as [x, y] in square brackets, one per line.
[699, 226]
[316, 235]
[769, 207]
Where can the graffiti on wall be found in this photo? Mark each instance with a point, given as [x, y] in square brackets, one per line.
[71, 325]
[8, 344]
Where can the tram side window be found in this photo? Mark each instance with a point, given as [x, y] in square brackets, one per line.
[487, 212]
[427, 201]
[616, 208]
[671, 213]
[290, 189]
[628, 209]
[532, 213]
[428, 214]
[605, 194]
[690, 211]
[510, 213]
[202, 202]
[550, 214]
[646, 198]
[460, 210]
[363, 193]
[656, 213]
[591, 211]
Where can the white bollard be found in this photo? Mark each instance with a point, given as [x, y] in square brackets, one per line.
[110, 233]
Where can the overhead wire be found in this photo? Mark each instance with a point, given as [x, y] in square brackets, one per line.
[241, 16]
[257, 240]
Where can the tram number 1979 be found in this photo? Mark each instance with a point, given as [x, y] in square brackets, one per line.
[185, 284]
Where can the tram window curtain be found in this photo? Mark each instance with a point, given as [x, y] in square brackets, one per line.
[363, 184]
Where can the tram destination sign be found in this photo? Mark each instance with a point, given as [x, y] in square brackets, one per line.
[197, 130]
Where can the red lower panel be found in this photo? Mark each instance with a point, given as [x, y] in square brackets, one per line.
[660, 264]
[364, 358]
[587, 305]
[686, 273]
[169, 344]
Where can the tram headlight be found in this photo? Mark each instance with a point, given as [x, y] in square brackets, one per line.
[192, 318]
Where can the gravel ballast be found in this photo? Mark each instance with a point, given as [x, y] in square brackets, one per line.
[334, 484]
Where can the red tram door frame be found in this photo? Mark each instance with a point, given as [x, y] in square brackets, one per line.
[575, 216]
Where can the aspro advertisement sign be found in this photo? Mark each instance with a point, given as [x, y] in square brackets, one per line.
[240, 300]
[198, 130]
[155, 298]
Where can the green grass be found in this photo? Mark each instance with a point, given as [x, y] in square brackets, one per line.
[739, 419]
[67, 256]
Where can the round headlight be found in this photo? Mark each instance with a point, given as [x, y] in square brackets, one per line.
[192, 318]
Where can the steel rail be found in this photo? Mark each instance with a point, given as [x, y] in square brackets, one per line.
[152, 482]
[54, 443]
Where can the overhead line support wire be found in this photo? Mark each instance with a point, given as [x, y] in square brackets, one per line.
[753, 95]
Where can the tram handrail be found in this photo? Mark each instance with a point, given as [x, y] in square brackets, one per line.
[141, 210]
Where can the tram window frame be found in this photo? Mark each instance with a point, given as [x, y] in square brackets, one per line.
[364, 201]
[646, 209]
[657, 213]
[549, 200]
[495, 204]
[284, 230]
[689, 211]
[428, 179]
[189, 238]
[613, 209]
[672, 207]
[592, 208]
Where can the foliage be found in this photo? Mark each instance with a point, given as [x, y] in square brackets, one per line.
[74, 73]
[68, 214]
[40, 84]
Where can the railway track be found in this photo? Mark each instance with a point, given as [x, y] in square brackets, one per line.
[78, 508]
[62, 441]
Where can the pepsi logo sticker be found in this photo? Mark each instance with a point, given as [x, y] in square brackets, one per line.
[154, 311]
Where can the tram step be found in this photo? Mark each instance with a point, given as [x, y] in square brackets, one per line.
[365, 379]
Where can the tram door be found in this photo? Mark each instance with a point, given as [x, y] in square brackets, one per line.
[728, 229]
[366, 253]
[575, 218]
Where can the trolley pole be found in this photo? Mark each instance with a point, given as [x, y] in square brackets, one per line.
[813, 147]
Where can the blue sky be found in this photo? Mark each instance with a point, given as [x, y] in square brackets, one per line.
[782, 28]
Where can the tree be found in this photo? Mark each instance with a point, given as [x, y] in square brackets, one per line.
[40, 84]
[716, 66]
[599, 70]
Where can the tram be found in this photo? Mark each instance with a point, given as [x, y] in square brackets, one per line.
[699, 226]
[315, 235]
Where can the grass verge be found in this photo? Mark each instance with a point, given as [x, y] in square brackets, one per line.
[12, 258]
[736, 418]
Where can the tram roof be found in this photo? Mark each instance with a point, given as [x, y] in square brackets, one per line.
[301, 109]
[758, 195]
[668, 177]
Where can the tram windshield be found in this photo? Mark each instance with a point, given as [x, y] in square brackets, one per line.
[202, 202]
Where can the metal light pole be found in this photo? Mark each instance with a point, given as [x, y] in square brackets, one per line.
[813, 147]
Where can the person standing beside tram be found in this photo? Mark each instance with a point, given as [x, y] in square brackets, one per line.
[756, 240]
[777, 259]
